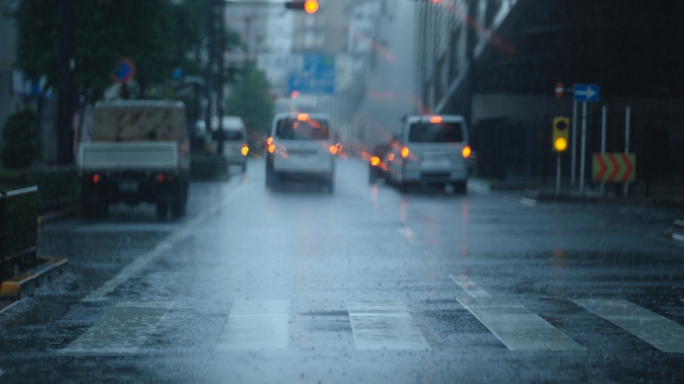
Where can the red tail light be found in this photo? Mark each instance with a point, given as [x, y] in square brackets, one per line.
[96, 178]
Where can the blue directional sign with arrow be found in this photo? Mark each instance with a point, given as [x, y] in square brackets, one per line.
[586, 92]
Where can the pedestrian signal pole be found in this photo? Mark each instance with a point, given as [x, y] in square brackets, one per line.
[560, 144]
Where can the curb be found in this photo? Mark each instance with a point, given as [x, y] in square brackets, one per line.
[678, 230]
[25, 284]
[58, 214]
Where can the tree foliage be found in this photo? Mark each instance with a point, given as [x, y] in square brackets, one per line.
[156, 34]
[251, 100]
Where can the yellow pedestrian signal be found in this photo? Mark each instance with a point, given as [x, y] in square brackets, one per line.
[561, 134]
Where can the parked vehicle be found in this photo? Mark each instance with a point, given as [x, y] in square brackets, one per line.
[301, 147]
[235, 147]
[139, 153]
[431, 150]
[379, 161]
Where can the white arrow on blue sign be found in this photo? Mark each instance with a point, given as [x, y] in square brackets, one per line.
[586, 92]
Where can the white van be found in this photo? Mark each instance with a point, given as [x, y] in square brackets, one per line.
[432, 150]
[235, 148]
[301, 147]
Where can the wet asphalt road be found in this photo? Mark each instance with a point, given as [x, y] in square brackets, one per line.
[365, 285]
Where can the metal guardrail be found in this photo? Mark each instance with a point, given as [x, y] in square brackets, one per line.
[5, 234]
[678, 230]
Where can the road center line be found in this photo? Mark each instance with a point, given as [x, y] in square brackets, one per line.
[256, 325]
[661, 332]
[384, 325]
[469, 286]
[142, 261]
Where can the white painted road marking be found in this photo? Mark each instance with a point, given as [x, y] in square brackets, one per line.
[517, 327]
[256, 325]
[660, 332]
[127, 227]
[142, 261]
[527, 201]
[469, 286]
[122, 330]
[384, 325]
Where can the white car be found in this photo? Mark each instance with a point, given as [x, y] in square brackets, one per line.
[432, 150]
[301, 147]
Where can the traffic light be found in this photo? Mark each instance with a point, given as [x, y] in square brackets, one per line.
[308, 6]
[561, 134]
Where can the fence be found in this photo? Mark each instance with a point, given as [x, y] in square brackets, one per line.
[18, 230]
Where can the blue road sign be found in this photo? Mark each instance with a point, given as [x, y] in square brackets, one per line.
[586, 92]
[317, 75]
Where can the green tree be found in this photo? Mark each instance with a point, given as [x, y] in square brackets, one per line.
[251, 99]
[156, 34]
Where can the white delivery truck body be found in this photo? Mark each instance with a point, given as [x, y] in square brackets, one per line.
[139, 153]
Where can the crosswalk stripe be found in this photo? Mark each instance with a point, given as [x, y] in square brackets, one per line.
[470, 286]
[384, 325]
[662, 333]
[517, 327]
[122, 330]
[255, 325]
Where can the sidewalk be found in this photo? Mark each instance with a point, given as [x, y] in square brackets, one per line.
[661, 194]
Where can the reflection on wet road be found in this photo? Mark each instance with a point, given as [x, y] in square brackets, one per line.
[363, 285]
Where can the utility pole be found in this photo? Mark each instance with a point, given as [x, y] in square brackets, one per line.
[215, 77]
[221, 74]
[65, 137]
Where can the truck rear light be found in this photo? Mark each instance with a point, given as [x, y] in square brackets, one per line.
[333, 149]
[405, 152]
[390, 157]
[96, 178]
[375, 161]
[245, 150]
[466, 152]
[436, 119]
[271, 148]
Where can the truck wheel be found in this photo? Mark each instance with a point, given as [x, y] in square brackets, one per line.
[403, 187]
[178, 209]
[244, 167]
[162, 210]
[95, 210]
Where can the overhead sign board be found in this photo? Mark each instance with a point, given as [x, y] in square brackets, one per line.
[586, 92]
[316, 75]
[614, 167]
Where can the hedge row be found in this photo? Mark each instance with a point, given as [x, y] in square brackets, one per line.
[20, 235]
[57, 186]
[208, 167]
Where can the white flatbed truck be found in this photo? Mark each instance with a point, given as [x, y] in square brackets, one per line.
[139, 154]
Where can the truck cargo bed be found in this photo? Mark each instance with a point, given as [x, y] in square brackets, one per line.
[131, 155]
